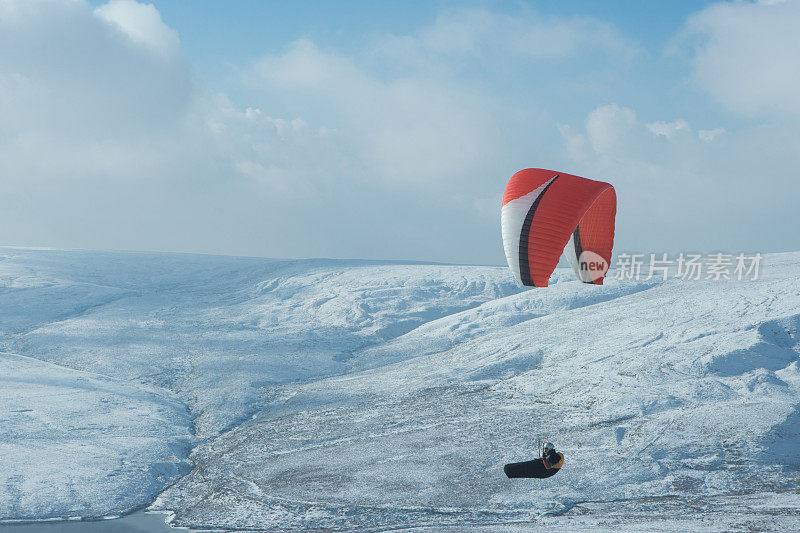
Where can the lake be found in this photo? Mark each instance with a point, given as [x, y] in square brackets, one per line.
[138, 522]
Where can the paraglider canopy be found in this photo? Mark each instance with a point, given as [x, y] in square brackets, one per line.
[546, 212]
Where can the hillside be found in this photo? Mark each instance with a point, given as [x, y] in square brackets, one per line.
[342, 394]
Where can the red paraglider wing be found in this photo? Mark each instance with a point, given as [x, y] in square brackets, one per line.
[543, 210]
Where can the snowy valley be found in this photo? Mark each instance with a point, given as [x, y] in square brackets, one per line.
[243, 393]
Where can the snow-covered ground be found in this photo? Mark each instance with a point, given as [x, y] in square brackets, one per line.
[355, 394]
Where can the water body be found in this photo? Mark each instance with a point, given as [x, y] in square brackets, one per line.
[138, 522]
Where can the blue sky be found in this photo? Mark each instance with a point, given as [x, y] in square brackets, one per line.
[222, 37]
[388, 129]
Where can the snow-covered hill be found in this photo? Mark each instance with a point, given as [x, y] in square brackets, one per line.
[354, 394]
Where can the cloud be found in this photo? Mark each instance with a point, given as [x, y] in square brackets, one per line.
[77, 99]
[399, 150]
[278, 156]
[608, 126]
[107, 141]
[746, 55]
[409, 107]
[670, 129]
[142, 24]
[681, 191]
[491, 39]
[530, 36]
[710, 135]
[411, 130]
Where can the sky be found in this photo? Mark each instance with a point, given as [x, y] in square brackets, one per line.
[388, 130]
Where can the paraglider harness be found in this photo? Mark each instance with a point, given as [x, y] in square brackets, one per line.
[543, 467]
[552, 460]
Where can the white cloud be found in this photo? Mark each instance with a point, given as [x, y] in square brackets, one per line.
[747, 56]
[472, 31]
[678, 191]
[71, 92]
[608, 126]
[285, 157]
[107, 141]
[668, 129]
[411, 129]
[407, 107]
[576, 145]
[488, 37]
[141, 23]
[710, 135]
